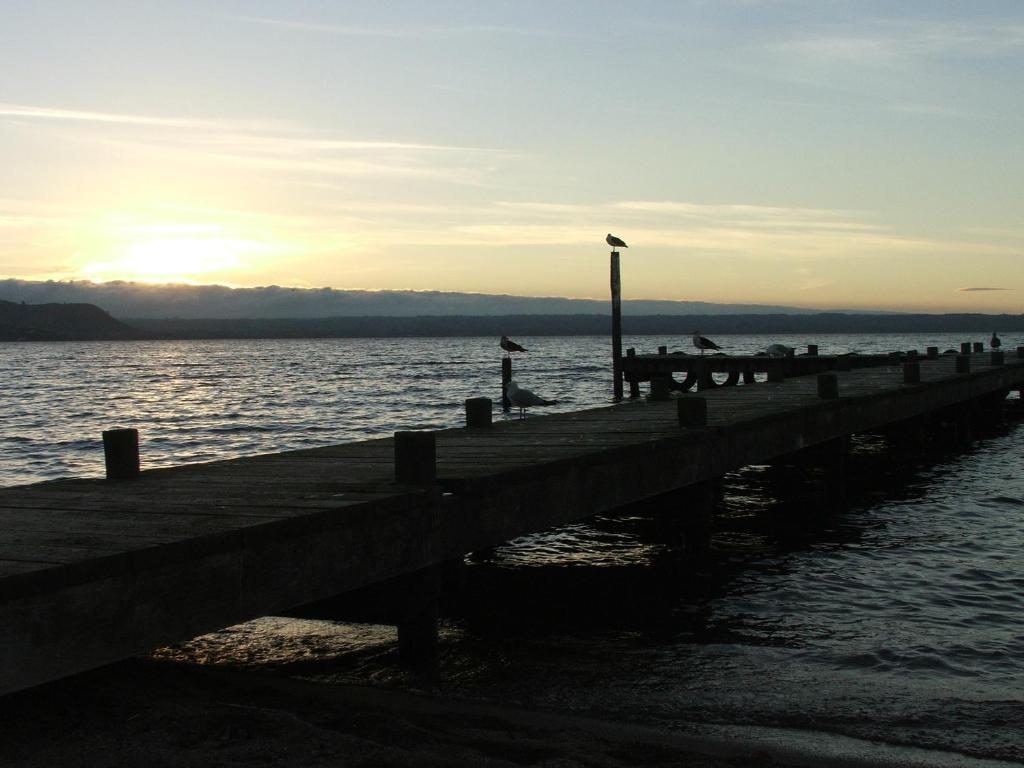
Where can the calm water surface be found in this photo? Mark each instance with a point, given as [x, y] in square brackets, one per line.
[900, 620]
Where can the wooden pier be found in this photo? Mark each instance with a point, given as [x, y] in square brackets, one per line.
[93, 571]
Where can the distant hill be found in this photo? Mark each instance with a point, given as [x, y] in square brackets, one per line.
[576, 325]
[199, 302]
[59, 322]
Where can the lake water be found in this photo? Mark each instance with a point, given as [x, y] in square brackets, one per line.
[899, 621]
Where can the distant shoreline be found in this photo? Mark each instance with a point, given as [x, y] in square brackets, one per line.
[88, 322]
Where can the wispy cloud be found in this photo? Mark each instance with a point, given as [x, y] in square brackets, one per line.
[403, 33]
[969, 290]
[889, 42]
[268, 145]
[48, 113]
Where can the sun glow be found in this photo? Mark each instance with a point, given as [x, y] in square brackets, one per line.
[175, 259]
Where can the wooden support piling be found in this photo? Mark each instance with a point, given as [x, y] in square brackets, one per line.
[932, 353]
[662, 350]
[812, 350]
[416, 616]
[478, 412]
[965, 348]
[415, 458]
[698, 518]
[616, 286]
[979, 346]
[1020, 351]
[832, 456]
[121, 453]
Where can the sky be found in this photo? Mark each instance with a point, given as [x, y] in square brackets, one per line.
[813, 153]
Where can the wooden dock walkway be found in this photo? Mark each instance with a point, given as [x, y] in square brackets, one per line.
[92, 571]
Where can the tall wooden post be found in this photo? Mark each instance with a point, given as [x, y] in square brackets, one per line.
[616, 282]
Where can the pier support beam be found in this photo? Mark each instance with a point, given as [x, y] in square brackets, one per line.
[415, 613]
[698, 501]
[832, 456]
[908, 439]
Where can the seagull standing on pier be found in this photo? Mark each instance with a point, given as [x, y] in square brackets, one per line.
[615, 242]
[996, 342]
[702, 343]
[523, 398]
[510, 346]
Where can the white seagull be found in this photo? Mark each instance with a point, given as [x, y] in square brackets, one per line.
[523, 398]
[703, 343]
[996, 342]
[510, 346]
[615, 242]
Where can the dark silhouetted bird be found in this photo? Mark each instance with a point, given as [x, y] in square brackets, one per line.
[523, 398]
[996, 342]
[615, 242]
[510, 346]
[703, 343]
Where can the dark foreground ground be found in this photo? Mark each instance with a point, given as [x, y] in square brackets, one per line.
[157, 715]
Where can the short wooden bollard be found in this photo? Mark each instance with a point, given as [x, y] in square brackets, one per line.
[932, 353]
[812, 350]
[963, 363]
[912, 372]
[965, 348]
[478, 412]
[634, 385]
[776, 370]
[997, 357]
[828, 386]
[662, 350]
[121, 453]
[415, 458]
[912, 354]
[692, 411]
[1020, 351]
[659, 388]
[979, 346]
[506, 377]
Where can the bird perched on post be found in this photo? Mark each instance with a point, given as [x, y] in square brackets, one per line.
[996, 342]
[510, 346]
[523, 398]
[703, 343]
[615, 242]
